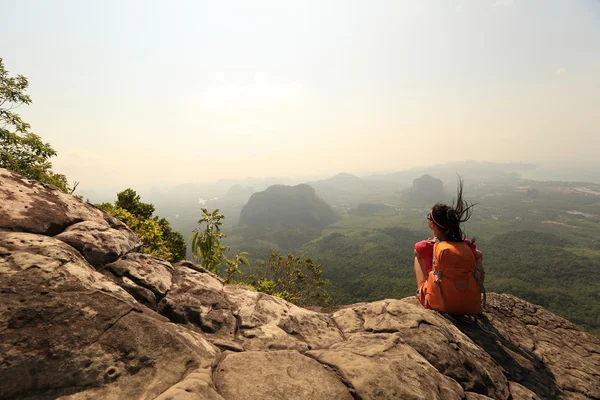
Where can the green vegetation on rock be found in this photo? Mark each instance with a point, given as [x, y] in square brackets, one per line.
[292, 278]
[21, 150]
[208, 250]
[156, 234]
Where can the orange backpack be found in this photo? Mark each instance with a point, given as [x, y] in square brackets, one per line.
[453, 286]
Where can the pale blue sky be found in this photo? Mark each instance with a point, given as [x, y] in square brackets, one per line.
[141, 92]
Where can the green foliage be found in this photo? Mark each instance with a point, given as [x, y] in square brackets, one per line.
[129, 200]
[173, 240]
[155, 233]
[21, 150]
[208, 250]
[233, 266]
[292, 278]
[206, 243]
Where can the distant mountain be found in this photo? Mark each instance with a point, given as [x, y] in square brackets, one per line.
[344, 190]
[425, 189]
[286, 215]
[343, 178]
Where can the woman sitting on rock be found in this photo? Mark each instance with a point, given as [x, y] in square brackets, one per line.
[448, 267]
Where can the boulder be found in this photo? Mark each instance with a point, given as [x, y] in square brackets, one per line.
[267, 322]
[100, 243]
[140, 293]
[40, 208]
[69, 330]
[276, 375]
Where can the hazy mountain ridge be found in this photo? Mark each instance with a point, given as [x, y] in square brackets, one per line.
[448, 172]
[425, 190]
[289, 215]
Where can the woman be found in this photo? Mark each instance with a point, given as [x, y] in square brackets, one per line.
[445, 223]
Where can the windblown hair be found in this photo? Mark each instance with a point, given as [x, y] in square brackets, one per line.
[450, 218]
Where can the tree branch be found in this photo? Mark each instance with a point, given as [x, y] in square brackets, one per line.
[74, 187]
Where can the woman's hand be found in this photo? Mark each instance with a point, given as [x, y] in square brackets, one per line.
[478, 255]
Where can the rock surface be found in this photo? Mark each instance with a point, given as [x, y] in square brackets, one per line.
[138, 272]
[94, 318]
[98, 242]
[30, 206]
[282, 374]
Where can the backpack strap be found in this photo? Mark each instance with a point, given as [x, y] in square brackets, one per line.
[438, 274]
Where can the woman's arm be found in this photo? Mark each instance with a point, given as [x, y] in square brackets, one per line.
[479, 265]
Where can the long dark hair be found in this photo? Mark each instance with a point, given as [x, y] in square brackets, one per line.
[448, 218]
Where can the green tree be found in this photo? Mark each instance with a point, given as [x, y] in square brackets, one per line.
[292, 278]
[129, 200]
[208, 250]
[173, 239]
[155, 233]
[21, 150]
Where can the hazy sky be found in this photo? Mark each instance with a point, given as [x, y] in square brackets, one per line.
[140, 92]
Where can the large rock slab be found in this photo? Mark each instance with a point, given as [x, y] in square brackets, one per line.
[434, 337]
[259, 375]
[380, 366]
[65, 329]
[30, 206]
[100, 243]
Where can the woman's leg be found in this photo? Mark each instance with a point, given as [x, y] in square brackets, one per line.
[420, 274]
